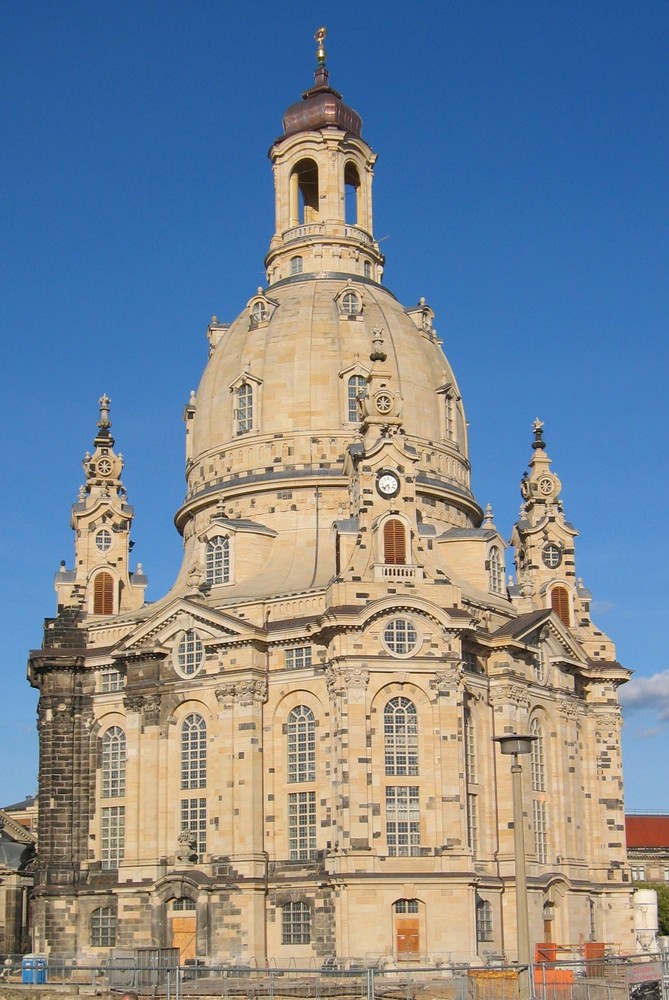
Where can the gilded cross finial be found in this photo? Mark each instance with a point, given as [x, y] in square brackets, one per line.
[320, 51]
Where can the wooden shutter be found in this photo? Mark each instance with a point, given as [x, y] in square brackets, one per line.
[560, 603]
[103, 594]
[394, 543]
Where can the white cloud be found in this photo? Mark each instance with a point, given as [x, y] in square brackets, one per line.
[648, 694]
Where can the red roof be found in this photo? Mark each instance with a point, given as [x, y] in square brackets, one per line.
[647, 831]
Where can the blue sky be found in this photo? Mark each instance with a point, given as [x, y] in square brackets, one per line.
[521, 187]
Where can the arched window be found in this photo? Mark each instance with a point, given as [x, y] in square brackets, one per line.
[103, 594]
[304, 200]
[357, 384]
[296, 923]
[259, 312]
[113, 763]
[406, 906]
[352, 192]
[218, 560]
[470, 748]
[244, 411]
[296, 264]
[537, 761]
[301, 745]
[367, 269]
[350, 304]
[194, 752]
[400, 734]
[449, 416]
[495, 570]
[103, 927]
[394, 543]
[560, 603]
[189, 653]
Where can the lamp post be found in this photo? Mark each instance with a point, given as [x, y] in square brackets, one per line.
[515, 746]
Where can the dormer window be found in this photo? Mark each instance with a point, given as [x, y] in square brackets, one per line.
[259, 312]
[244, 408]
[357, 386]
[495, 571]
[349, 303]
[218, 560]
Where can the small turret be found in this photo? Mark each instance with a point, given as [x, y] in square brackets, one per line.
[100, 583]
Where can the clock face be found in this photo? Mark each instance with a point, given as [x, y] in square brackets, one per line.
[104, 466]
[546, 485]
[388, 484]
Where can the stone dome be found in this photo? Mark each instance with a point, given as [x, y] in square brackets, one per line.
[297, 346]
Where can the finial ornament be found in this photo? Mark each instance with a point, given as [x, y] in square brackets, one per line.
[321, 54]
[538, 428]
[378, 354]
[104, 422]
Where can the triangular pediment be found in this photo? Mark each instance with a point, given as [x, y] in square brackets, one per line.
[179, 616]
[540, 626]
[15, 830]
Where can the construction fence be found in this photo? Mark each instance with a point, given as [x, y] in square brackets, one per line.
[156, 973]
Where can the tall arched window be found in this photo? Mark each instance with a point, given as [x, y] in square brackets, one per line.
[495, 570]
[244, 410]
[103, 594]
[352, 192]
[394, 543]
[194, 752]
[537, 760]
[356, 387]
[113, 763]
[560, 603]
[400, 736]
[301, 745]
[304, 200]
[472, 779]
[218, 560]
[296, 265]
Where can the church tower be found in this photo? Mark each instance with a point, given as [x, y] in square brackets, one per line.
[290, 758]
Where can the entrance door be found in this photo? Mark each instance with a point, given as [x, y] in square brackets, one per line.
[407, 930]
[408, 939]
[183, 924]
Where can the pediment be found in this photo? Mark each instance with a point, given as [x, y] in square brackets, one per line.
[544, 626]
[183, 614]
[15, 830]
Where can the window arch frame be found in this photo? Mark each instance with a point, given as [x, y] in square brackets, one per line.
[218, 560]
[301, 745]
[113, 764]
[400, 737]
[193, 752]
[495, 570]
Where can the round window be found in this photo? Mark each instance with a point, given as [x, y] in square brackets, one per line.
[400, 636]
[551, 556]
[103, 540]
[190, 653]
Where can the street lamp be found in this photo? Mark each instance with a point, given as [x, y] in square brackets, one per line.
[515, 745]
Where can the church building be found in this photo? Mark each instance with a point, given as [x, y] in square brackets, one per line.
[291, 757]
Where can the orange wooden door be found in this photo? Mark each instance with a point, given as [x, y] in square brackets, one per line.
[183, 937]
[407, 932]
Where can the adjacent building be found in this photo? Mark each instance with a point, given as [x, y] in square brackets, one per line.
[291, 756]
